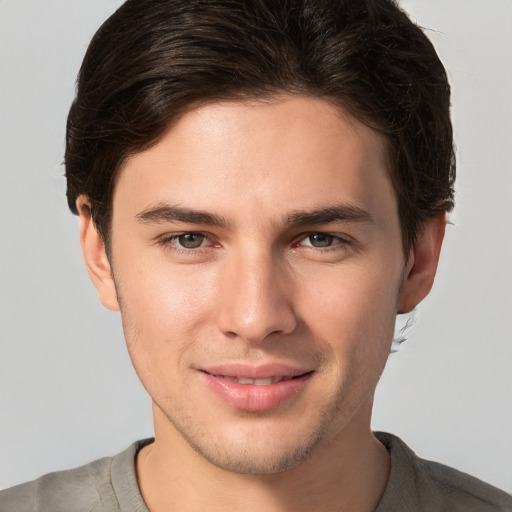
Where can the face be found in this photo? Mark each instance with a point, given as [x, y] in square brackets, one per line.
[257, 256]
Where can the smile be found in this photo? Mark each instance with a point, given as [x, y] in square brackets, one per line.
[256, 389]
[255, 382]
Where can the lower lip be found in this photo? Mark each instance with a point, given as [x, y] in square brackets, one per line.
[253, 398]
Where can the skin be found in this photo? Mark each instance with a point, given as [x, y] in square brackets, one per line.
[259, 289]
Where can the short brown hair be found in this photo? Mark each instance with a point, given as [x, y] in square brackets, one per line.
[153, 60]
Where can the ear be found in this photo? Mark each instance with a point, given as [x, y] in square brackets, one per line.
[95, 256]
[422, 264]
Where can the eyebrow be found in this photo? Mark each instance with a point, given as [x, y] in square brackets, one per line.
[338, 213]
[161, 213]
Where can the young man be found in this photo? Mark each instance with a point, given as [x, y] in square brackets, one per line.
[262, 187]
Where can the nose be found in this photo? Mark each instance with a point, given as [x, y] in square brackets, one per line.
[256, 299]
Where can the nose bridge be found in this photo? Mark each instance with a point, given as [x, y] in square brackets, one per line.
[256, 296]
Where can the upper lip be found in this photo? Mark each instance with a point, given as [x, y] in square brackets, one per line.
[262, 371]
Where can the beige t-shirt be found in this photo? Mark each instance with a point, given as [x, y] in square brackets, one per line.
[110, 485]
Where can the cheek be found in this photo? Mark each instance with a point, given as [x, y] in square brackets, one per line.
[162, 309]
[359, 323]
[353, 310]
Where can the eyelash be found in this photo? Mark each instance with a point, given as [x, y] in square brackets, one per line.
[340, 242]
[170, 241]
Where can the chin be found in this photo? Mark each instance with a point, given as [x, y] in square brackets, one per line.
[252, 461]
[254, 444]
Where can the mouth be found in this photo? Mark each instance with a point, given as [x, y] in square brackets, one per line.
[257, 389]
[254, 382]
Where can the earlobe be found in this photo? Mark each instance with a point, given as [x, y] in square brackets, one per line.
[95, 256]
[422, 265]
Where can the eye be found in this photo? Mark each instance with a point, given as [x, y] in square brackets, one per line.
[189, 240]
[319, 240]
[189, 246]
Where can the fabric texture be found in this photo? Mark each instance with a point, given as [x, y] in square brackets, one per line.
[416, 484]
[110, 485]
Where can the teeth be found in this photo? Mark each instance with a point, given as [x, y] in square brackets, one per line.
[241, 380]
[254, 382]
[262, 382]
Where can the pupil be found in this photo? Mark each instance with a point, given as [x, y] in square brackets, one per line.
[191, 240]
[320, 240]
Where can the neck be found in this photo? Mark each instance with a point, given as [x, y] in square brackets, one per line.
[349, 472]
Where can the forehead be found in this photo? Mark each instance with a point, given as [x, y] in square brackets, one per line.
[255, 158]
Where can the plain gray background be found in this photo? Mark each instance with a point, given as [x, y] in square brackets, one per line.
[68, 393]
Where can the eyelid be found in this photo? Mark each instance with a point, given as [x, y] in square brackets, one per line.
[169, 239]
[342, 238]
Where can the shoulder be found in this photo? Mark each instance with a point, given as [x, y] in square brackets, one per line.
[425, 485]
[74, 489]
[87, 488]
